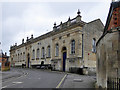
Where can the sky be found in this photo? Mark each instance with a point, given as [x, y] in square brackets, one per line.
[21, 18]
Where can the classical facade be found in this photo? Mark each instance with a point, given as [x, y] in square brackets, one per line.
[108, 50]
[70, 44]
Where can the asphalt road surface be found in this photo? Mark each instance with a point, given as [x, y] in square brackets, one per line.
[34, 78]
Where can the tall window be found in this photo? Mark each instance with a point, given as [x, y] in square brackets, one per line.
[18, 57]
[57, 50]
[93, 45]
[43, 52]
[33, 54]
[73, 47]
[48, 51]
[23, 55]
[38, 52]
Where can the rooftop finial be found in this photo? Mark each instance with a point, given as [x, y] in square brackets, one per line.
[31, 35]
[61, 22]
[69, 18]
[54, 24]
[54, 28]
[78, 12]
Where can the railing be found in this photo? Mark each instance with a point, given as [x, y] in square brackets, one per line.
[113, 84]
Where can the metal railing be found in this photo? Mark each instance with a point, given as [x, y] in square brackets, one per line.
[113, 83]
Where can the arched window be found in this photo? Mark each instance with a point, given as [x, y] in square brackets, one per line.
[33, 54]
[38, 52]
[93, 45]
[43, 52]
[57, 50]
[48, 51]
[73, 47]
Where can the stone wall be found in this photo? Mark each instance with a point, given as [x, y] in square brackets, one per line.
[108, 58]
[91, 30]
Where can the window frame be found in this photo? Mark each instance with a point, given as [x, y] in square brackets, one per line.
[43, 52]
[38, 53]
[94, 45]
[73, 46]
[33, 54]
[57, 50]
[48, 51]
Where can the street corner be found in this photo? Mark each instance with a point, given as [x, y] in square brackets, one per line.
[10, 74]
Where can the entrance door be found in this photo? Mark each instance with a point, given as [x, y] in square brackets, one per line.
[64, 61]
[28, 60]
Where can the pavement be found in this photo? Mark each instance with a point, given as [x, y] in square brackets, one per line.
[78, 81]
[13, 73]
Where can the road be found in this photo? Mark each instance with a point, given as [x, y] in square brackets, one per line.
[34, 78]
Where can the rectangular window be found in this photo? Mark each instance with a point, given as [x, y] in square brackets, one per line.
[94, 45]
[73, 47]
[48, 51]
[43, 53]
[57, 50]
[33, 57]
[38, 52]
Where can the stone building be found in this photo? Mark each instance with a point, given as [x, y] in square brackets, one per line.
[108, 50]
[4, 61]
[69, 45]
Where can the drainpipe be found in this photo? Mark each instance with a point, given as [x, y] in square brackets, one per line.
[82, 48]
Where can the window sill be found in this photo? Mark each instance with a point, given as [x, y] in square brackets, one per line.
[37, 58]
[73, 54]
[48, 57]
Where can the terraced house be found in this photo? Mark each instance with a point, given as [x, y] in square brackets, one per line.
[71, 44]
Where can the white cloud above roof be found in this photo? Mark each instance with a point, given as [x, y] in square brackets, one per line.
[21, 19]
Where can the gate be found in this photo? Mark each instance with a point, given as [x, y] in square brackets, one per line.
[113, 83]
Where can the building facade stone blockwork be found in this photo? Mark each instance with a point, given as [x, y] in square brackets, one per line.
[108, 50]
[70, 44]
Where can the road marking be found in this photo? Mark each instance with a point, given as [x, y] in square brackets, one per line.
[61, 81]
[17, 82]
[15, 78]
[4, 86]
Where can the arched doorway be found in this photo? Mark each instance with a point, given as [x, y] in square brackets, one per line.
[28, 60]
[64, 53]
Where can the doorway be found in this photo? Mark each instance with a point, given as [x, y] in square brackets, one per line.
[64, 51]
[28, 60]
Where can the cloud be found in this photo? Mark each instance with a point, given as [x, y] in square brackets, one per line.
[20, 20]
[55, 0]
[98, 11]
